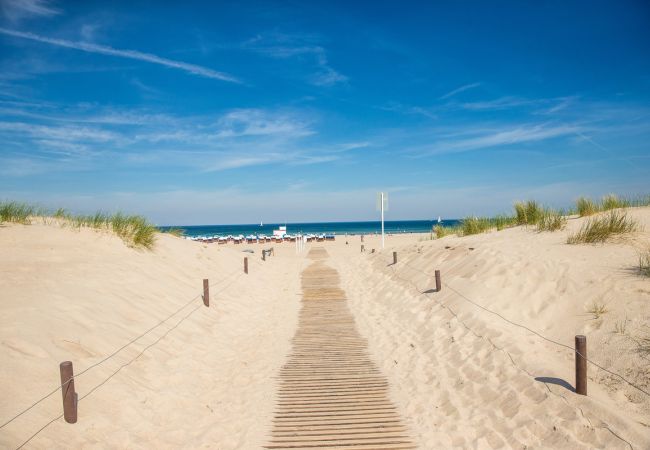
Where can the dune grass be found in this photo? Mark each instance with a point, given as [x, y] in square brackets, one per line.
[134, 230]
[16, 212]
[602, 228]
[475, 225]
[442, 231]
[551, 220]
[178, 232]
[503, 221]
[597, 309]
[528, 213]
[644, 263]
[586, 207]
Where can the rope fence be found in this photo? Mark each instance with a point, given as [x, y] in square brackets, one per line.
[392, 262]
[232, 277]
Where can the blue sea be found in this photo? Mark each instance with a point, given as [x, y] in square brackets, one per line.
[338, 228]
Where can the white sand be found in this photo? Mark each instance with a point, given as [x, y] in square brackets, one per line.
[210, 382]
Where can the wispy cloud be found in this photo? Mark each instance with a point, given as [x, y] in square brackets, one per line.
[459, 90]
[285, 46]
[16, 10]
[129, 54]
[502, 136]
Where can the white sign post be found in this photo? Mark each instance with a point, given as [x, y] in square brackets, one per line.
[382, 205]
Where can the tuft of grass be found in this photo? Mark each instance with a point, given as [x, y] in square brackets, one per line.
[178, 232]
[620, 327]
[528, 213]
[475, 225]
[134, 230]
[551, 220]
[644, 263]
[603, 228]
[442, 231]
[16, 212]
[503, 221]
[586, 207]
[612, 201]
[597, 309]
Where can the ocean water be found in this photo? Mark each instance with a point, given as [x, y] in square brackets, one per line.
[338, 228]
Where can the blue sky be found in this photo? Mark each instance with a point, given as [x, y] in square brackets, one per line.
[235, 112]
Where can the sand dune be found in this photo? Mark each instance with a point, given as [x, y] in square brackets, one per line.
[467, 378]
[458, 375]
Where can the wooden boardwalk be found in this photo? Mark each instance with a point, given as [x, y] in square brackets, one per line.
[331, 395]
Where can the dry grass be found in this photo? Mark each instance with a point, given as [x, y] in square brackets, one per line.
[551, 220]
[597, 309]
[603, 228]
[586, 207]
[644, 263]
[442, 231]
[475, 225]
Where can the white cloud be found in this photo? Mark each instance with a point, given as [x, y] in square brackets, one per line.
[16, 10]
[459, 90]
[129, 54]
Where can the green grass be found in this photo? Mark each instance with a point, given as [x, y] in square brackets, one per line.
[503, 221]
[442, 231]
[604, 227]
[16, 212]
[528, 213]
[586, 207]
[612, 201]
[135, 231]
[475, 225]
[644, 263]
[551, 220]
[178, 232]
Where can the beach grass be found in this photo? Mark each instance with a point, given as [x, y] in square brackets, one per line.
[586, 207]
[604, 227]
[597, 309]
[134, 230]
[503, 221]
[644, 263]
[612, 201]
[475, 225]
[16, 212]
[528, 213]
[178, 232]
[551, 220]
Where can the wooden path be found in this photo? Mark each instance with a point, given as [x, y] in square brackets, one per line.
[331, 395]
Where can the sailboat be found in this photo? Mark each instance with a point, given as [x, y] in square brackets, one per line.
[439, 220]
[261, 223]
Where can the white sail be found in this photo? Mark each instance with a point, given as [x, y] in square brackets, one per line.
[439, 220]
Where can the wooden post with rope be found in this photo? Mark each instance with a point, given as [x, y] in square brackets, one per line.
[69, 394]
[581, 365]
[206, 292]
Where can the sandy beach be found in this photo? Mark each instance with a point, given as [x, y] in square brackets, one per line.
[460, 369]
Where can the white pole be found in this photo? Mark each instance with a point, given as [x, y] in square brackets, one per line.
[382, 220]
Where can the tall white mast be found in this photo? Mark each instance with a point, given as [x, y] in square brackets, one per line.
[382, 220]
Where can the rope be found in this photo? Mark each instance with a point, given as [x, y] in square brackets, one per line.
[464, 297]
[114, 353]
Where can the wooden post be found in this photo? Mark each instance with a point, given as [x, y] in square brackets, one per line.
[362, 249]
[206, 292]
[581, 365]
[438, 282]
[394, 257]
[246, 265]
[263, 255]
[69, 394]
